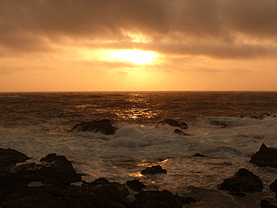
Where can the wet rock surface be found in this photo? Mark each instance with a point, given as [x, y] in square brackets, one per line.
[265, 157]
[153, 199]
[180, 132]
[51, 169]
[221, 124]
[172, 122]
[153, 170]
[103, 126]
[199, 155]
[243, 181]
[41, 185]
[46, 184]
[9, 157]
[136, 185]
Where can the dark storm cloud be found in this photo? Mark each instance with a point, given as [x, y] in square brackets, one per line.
[212, 28]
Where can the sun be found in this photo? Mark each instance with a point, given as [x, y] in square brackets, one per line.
[135, 56]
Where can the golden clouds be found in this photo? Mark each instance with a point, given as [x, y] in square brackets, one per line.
[110, 38]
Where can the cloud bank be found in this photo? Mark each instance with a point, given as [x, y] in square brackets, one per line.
[223, 29]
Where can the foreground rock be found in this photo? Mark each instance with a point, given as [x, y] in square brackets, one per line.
[47, 184]
[51, 169]
[273, 186]
[243, 181]
[153, 199]
[153, 170]
[265, 157]
[9, 157]
[103, 126]
[107, 194]
[135, 184]
[267, 204]
[172, 122]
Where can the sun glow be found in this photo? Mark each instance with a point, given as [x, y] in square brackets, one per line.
[135, 56]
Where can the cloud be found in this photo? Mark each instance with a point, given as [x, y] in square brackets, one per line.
[6, 70]
[215, 28]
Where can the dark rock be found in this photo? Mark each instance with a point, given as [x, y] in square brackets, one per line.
[159, 199]
[273, 186]
[218, 123]
[52, 168]
[112, 195]
[172, 122]
[180, 132]
[243, 180]
[99, 181]
[262, 116]
[199, 155]
[266, 203]
[239, 193]
[153, 170]
[104, 126]
[135, 184]
[9, 157]
[265, 157]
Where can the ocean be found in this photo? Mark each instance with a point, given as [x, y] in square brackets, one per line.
[227, 127]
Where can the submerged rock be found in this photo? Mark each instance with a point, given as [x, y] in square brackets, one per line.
[262, 116]
[222, 124]
[199, 155]
[104, 126]
[172, 122]
[265, 157]
[243, 181]
[180, 132]
[153, 170]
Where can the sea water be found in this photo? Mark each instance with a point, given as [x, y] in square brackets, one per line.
[38, 124]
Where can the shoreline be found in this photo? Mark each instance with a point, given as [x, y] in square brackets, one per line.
[51, 181]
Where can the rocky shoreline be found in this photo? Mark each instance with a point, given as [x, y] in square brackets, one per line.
[50, 183]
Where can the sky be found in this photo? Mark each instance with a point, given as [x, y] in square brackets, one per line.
[138, 45]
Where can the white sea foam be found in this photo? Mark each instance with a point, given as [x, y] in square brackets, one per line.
[122, 156]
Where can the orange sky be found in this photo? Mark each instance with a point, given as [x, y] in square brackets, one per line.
[99, 45]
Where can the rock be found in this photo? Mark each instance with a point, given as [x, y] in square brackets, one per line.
[243, 180]
[99, 181]
[266, 203]
[135, 184]
[273, 186]
[265, 157]
[172, 122]
[153, 170]
[180, 132]
[262, 116]
[9, 157]
[159, 199]
[111, 195]
[218, 123]
[104, 126]
[52, 168]
[239, 193]
[199, 155]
